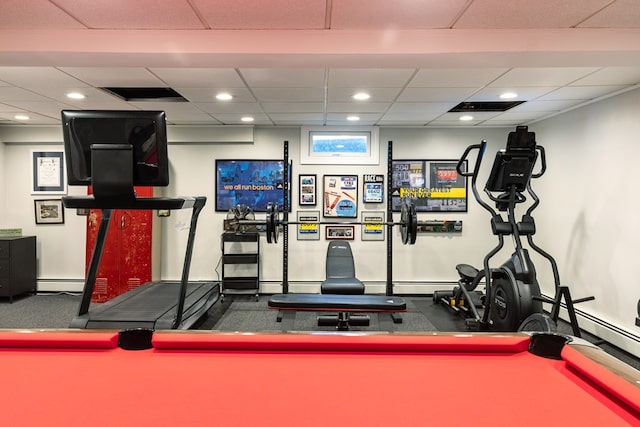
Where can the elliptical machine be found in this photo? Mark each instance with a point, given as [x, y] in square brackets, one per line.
[513, 300]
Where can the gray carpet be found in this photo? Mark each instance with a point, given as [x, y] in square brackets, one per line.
[42, 311]
[244, 314]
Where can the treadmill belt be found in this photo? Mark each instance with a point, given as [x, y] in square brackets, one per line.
[151, 305]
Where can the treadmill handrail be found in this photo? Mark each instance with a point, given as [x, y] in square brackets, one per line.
[142, 203]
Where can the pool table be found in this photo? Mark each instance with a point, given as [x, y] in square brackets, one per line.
[188, 378]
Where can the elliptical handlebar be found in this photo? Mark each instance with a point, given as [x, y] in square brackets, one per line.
[543, 161]
[481, 147]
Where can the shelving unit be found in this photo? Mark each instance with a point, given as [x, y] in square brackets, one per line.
[242, 251]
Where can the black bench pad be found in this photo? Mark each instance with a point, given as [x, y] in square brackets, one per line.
[334, 302]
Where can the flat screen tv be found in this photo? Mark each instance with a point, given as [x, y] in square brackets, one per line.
[254, 183]
[144, 131]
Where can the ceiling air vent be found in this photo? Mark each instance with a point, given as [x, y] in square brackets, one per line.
[141, 94]
[468, 107]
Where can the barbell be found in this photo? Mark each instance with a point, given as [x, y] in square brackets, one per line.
[408, 223]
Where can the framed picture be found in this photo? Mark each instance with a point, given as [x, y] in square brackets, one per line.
[308, 189]
[432, 185]
[373, 188]
[47, 172]
[49, 211]
[373, 225]
[340, 196]
[254, 183]
[308, 227]
[339, 232]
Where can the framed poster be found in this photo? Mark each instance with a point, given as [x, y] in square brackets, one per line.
[432, 185]
[310, 230]
[339, 232]
[372, 225]
[254, 183]
[47, 172]
[373, 188]
[340, 196]
[307, 189]
[49, 211]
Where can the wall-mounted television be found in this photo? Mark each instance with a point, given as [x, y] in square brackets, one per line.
[144, 131]
[254, 183]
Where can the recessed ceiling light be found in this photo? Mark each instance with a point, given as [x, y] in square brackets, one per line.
[75, 95]
[224, 96]
[353, 118]
[247, 119]
[21, 117]
[466, 118]
[508, 95]
[361, 96]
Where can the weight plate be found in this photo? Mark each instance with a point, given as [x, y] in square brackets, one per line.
[269, 222]
[275, 227]
[413, 224]
[404, 226]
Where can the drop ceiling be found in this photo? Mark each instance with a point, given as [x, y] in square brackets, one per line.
[298, 62]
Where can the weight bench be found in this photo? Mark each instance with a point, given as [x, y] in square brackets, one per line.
[341, 291]
[345, 305]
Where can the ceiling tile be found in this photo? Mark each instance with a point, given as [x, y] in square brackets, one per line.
[292, 94]
[544, 106]
[25, 14]
[198, 77]
[44, 77]
[378, 94]
[354, 14]
[529, 77]
[10, 93]
[456, 77]
[139, 14]
[435, 94]
[229, 107]
[611, 76]
[528, 14]
[617, 14]
[208, 94]
[357, 107]
[272, 14]
[114, 76]
[421, 107]
[291, 107]
[235, 119]
[278, 77]
[580, 92]
[368, 78]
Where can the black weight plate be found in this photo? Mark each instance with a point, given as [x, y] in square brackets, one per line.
[275, 227]
[269, 222]
[413, 224]
[404, 226]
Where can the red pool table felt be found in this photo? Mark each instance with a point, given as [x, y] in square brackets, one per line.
[188, 378]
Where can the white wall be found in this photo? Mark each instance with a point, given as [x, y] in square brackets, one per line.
[590, 205]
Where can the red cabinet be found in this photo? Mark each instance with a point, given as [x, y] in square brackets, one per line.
[127, 260]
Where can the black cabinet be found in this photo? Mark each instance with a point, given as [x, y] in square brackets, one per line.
[240, 263]
[17, 266]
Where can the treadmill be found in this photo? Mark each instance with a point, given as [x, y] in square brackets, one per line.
[113, 151]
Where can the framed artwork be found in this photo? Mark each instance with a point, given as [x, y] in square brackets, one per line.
[308, 227]
[373, 188]
[254, 183]
[47, 172]
[307, 190]
[372, 225]
[340, 196]
[49, 211]
[339, 232]
[432, 185]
